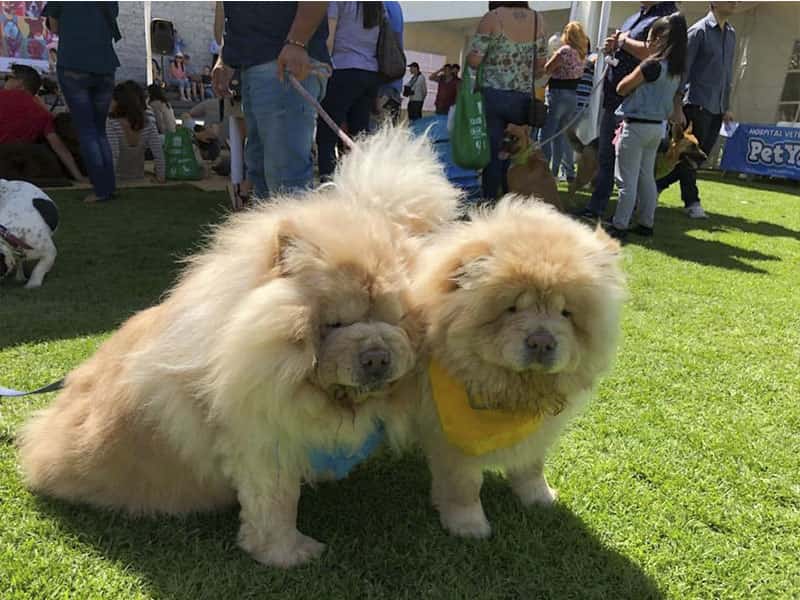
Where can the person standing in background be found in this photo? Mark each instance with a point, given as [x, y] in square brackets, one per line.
[389, 94]
[267, 41]
[86, 67]
[648, 100]
[415, 90]
[352, 41]
[706, 104]
[629, 47]
[508, 38]
[565, 68]
[447, 90]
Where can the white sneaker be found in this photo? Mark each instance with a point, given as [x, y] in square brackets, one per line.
[695, 211]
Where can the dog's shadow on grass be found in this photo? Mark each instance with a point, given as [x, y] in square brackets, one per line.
[384, 540]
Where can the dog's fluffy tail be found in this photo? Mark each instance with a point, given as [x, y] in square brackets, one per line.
[398, 173]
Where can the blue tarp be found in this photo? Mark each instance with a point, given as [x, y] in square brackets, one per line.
[436, 127]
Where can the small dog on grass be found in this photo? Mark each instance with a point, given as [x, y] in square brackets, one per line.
[529, 173]
[28, 220]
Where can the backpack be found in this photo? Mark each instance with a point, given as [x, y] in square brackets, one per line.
[391, 58]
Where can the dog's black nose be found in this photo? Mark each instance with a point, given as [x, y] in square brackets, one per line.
[375, 363]
[542, 345]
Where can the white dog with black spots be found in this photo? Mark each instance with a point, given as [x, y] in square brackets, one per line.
[28, 219]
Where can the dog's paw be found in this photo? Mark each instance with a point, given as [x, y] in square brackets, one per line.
[535, 492]
[291, 551]
[32, 285]
[465, 521]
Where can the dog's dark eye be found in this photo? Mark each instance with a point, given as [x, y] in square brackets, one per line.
[512, 309]
[334, 325]
[566, 314]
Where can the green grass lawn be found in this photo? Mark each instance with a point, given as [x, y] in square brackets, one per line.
[682, 479]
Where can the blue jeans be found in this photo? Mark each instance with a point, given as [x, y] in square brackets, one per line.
[561, 108]
[635, 173]
[349, 99]
[502, 107]
[280, 130]
[88, 96]
[604, 182]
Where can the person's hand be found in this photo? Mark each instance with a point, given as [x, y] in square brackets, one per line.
[221, 76]
[727, 117]
[611, 43]
[81, 179]
[294, 59]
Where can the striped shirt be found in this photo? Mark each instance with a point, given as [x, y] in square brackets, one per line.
[132, 166]
[586, 82]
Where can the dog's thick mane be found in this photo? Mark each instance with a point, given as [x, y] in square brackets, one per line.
[417, 196]
[515, 221]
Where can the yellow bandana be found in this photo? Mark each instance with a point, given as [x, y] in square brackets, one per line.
[475, 432]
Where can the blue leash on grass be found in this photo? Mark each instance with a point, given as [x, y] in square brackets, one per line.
[50, 387]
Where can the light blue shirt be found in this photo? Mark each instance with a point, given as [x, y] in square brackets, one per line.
[652, 100]
[353, 46]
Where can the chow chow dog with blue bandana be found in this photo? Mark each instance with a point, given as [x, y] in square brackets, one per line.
[283, 354]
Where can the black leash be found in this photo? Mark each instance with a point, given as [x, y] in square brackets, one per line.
[50, 387]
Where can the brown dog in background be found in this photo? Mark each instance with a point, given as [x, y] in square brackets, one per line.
[683, 145]
[529, 175]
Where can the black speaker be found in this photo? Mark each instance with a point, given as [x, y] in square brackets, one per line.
[162, 36]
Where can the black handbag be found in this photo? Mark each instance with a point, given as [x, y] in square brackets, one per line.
[537, 113]
[391, 58]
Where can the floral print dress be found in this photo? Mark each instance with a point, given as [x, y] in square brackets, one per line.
[507, 65]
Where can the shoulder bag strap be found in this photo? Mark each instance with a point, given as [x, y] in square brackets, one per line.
[535, 52]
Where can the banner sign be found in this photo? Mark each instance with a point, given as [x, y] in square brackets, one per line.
[763, 150]
[23, 37]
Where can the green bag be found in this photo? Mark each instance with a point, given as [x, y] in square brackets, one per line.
[470, 136]
[179, 155]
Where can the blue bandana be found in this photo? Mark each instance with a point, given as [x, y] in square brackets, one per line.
[340, 462]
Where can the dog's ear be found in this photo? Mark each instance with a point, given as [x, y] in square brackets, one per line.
[675, 132]
[290, 250]
[466, 267]
[688, 130]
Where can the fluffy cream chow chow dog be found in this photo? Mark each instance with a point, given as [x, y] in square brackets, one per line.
[284, 350]
[522, 306]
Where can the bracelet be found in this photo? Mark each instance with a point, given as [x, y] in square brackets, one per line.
[289, 42]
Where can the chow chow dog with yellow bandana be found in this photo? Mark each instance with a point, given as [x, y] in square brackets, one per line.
[522, 308]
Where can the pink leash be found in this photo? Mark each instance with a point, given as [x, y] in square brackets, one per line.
[325, 116]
